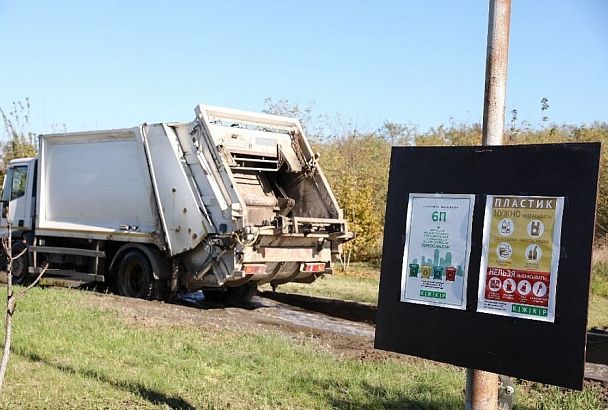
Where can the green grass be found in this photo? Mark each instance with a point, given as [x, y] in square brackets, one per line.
[68, 353]
[598, 302]
[356, 288]
[598, 312]
[362, 268]
[69, 356]
[599, 280]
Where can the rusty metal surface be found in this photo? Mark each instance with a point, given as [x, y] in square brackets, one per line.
[482, 390]
[482, 387]
[496, 72]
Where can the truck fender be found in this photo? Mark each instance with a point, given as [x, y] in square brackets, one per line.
[160, 265]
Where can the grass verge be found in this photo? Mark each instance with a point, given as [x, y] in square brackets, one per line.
[69, 353]
[361, 285]
[598, 312]
[599, 280]
[337, 286]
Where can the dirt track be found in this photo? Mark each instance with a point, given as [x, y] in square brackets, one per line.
[341, 337]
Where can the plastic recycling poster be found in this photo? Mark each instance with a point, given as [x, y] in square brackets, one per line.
[520, 256]
[437, 249]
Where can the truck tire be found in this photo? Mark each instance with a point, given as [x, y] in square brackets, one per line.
[233, 296]
[246, 293]
[20, 265]
[134, 276]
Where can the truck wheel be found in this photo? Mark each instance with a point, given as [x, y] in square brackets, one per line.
[233, 296]
[134, 277]
[215, 295]
[20, 265]
[246, 293]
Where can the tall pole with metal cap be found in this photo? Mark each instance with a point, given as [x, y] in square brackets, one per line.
[482, 386]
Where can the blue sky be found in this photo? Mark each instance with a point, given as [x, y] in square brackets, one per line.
[111, 64]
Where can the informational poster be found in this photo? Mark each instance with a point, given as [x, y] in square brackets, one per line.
[520, 256]
[437, 249]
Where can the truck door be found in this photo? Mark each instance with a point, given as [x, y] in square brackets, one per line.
[17, 198]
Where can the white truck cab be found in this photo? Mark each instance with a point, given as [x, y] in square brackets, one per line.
[17, 200]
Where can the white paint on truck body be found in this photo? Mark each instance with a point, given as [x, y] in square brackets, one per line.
[96, 185]
[181, 213]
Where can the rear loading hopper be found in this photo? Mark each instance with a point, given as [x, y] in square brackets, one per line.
[277, 220]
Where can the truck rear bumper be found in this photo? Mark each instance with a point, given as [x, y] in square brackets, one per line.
[287, 258]
[280, 272]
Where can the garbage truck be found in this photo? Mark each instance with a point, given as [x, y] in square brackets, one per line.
[221, 204]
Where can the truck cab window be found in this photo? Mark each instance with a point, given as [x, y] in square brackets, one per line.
[18, 183]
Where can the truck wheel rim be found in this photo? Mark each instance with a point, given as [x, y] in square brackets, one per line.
[135, 278]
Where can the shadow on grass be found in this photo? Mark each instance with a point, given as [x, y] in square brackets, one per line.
[377, 397]
[153, 396]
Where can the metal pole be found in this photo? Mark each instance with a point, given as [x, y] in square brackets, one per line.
[482, 386]
[496, 72]
[481, 390]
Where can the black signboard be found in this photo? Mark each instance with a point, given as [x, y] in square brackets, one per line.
[544, 349]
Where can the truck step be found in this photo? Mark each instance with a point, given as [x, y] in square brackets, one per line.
[68, 251]
[62, 282]
[68, 275]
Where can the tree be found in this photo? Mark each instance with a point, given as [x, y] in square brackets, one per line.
[11, 296]
[356, 166]
[21, 140]
[398, 134]
[21, 143]
[544, 107]
[304, 114]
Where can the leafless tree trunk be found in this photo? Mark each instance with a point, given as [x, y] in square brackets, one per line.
[12, 298]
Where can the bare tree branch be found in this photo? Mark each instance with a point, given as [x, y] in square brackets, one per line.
[10, 304]
[34, 283]
[11, 297]
[20, 254]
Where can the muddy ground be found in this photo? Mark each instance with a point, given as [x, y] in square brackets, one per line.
[341, 337]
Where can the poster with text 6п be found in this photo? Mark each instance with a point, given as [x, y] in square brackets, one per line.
[437, 248]
[520, 256]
